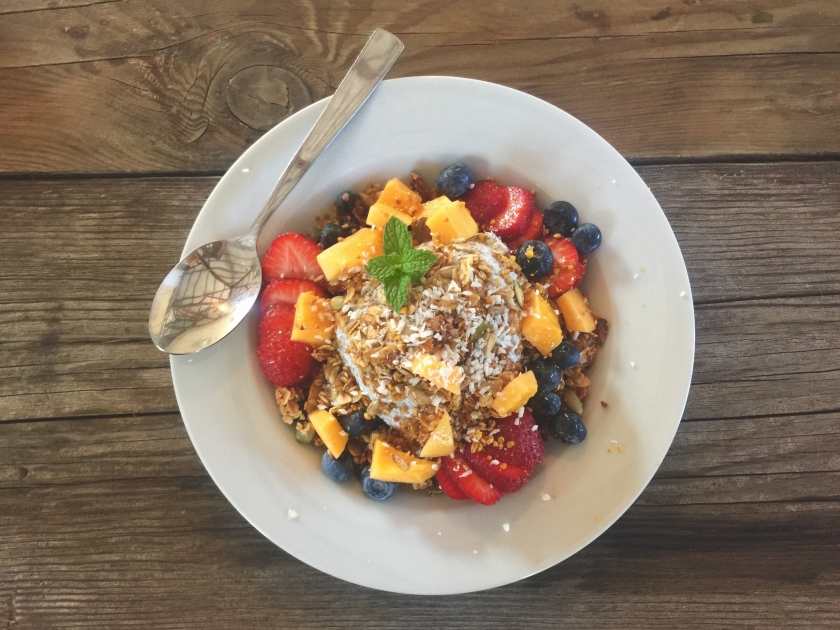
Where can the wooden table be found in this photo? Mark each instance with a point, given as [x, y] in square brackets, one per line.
[117, 118]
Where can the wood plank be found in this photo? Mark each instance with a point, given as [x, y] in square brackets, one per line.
[152, 87]
[115, 525]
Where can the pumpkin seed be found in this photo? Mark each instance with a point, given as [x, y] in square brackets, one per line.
[479, 332]
[337, 302]
[517, 292]
[305, 434]
[572, 401]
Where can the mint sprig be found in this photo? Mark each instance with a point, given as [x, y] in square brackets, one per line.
[400, 265]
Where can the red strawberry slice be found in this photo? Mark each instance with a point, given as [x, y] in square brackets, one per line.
[533, 232]
[286, 291]
[506, 477]
[526, 450]
[448, 485]
[471, 483]
[485, 200]
[292, 255]
[285, 362]
[516, 217]
[569, 266]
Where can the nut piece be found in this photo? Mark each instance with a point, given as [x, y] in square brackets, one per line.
[520, 296]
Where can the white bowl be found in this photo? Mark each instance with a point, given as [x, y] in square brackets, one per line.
[415, 543]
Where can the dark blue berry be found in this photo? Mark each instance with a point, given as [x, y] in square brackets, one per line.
[568, 427]
[339, 469]
[454, 180]
[345, 202]
[544, 405]
[561, 218]
[330, 234]
[375, 489]
[354, 423]
[586, 238]
[566, 355]
[548, 375]
[535, 258]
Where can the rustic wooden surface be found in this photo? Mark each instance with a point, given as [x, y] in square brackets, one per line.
[118, 117]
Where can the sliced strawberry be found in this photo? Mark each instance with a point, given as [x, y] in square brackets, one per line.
[569, 266]
[533, 232]
[285, 362]
[292, 255]
[485, 200]
[505, 477]
[471, 483]
[516, 217]
[526, 448]
[448, 485]
[286, 291]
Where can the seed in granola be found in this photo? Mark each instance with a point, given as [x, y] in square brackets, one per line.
[336, 302]
[520, 296]
[479, 331]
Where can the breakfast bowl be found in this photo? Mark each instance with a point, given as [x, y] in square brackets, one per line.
[416, 542]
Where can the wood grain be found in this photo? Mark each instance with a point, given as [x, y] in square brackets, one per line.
[155, 87]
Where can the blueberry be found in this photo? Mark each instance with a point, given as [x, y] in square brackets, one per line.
[337, 469]
[561, 218]
[568, 427]
[547, 374]
[587, 238]
[345, 202]
[535, 258]
[566, 355]
[454, 180]
[330, 234]
[375, 489]
[354, 423]
[544, 405]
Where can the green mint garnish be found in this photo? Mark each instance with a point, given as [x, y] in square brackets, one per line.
[400, 265]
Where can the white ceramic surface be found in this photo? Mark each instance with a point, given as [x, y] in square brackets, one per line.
[414, 543]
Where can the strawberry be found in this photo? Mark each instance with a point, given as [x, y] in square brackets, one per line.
[292, 255]
[472, 484]
[485, 200]
[569, 266]
[448, 485]
[533, 232]
[505, 477]
[286, 291]
[516, 216]
[527, 449]
[285, 362]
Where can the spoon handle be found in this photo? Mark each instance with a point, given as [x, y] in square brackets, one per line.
[369, 68]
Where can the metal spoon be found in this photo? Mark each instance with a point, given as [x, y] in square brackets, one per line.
[211, 290]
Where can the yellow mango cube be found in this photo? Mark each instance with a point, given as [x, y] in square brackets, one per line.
[441, 442]
[353, 251]
[379, 214]
[576, 312]
[389, 464]
[540, 324]
[450, 220]
[330, 431]
[400, 197]
[437, 372]
[515, 394]
[432, 206]
[314, 321]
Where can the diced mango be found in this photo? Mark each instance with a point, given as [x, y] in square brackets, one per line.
[330, 431]
[540, 325]
[400, 197]
[441, 442]
[379, 214]
[314, 320]
[353, 251]
[389, 464]
[437, 372]
[576, 312]
[515, 394]
[432, 206]
[450, 221]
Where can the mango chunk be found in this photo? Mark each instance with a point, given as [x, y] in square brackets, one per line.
[379, 214]
[389, 464]
[353, 251]
[314, 320]
[515, 394]
[450, 220]
[437, 372]
[540, 325]
[441, 442]
[576, 312]
[400, 197]
[432, 206]
[330, 431]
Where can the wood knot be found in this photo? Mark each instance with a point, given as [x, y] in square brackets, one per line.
[262, 96]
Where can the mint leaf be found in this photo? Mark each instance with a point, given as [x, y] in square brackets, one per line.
[385, 267]
[417, 262]
[396, 292]
[397, 238]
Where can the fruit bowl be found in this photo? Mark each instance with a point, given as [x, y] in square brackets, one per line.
[416, 543]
